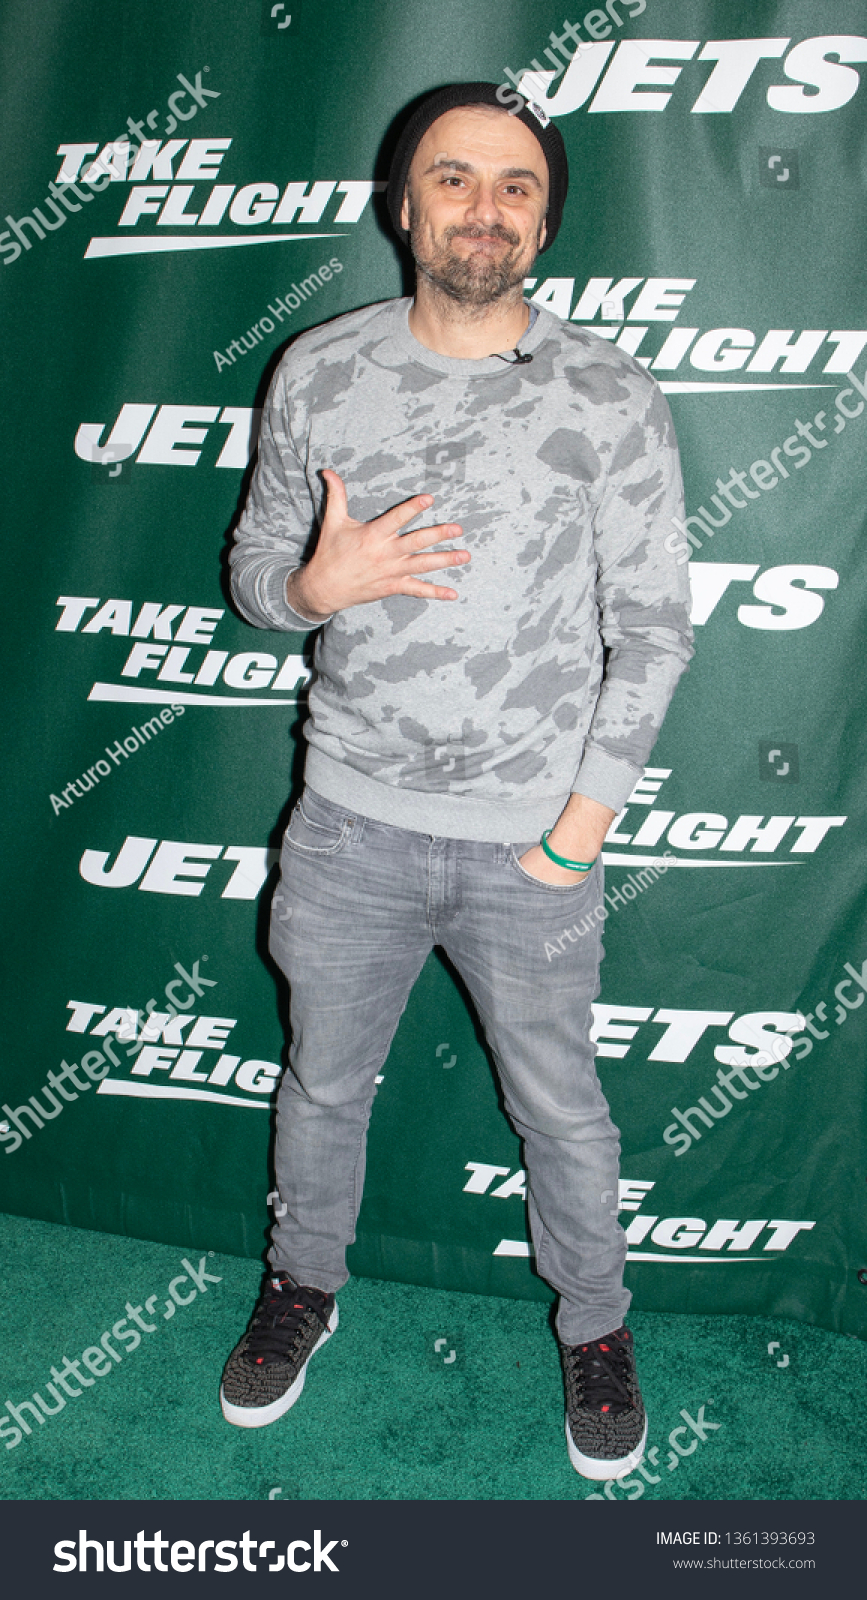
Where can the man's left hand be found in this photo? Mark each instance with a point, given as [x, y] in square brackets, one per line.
[578, 834]
[540, 866]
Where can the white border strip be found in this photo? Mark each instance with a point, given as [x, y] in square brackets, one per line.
[621, 859]
[149, 244]
[732, 388]
[520, 1248]
[159, 697]
[168, 1091]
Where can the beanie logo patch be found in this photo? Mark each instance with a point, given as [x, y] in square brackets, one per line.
[541, 116]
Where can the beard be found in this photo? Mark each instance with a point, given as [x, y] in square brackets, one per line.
[477, 279]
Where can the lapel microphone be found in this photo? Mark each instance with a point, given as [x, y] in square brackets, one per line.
[519, 360]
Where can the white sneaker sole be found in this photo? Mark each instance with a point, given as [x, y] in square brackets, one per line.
[260, 1416]
[601, 1471]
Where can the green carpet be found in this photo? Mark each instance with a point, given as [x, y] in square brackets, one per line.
[384, 1415]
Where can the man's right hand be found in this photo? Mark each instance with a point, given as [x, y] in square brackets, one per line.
[355, 562]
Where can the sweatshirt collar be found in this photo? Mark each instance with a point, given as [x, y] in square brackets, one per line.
[412, 349]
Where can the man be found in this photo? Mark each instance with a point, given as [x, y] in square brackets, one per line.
[467, 753]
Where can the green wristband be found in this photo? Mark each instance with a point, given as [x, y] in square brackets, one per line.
[574, 866]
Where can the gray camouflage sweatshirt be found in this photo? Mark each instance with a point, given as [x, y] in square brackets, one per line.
[476, 718]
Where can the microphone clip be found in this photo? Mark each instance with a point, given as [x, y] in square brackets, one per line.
[519, 359]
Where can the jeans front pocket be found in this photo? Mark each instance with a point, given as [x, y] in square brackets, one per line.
[515, 851]
[316, 827]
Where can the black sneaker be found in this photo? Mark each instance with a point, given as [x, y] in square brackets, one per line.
[265, 1373]
[606, 1428]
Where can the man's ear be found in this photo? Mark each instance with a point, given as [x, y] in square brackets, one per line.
[543, 233]
[404, 210]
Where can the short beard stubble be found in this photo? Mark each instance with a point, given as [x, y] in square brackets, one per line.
[472, 281]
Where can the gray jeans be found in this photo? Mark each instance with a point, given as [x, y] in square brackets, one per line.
[358, 908]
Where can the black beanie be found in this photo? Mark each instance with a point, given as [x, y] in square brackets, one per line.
[468, 94]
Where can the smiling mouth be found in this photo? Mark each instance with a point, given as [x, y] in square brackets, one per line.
[482, 239]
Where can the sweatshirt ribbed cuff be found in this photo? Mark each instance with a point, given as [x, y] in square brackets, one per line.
[605, 778]
[273, 597]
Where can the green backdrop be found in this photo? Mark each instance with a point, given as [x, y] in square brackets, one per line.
[715, 229]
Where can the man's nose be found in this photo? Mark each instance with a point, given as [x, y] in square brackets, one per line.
[484, 207]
